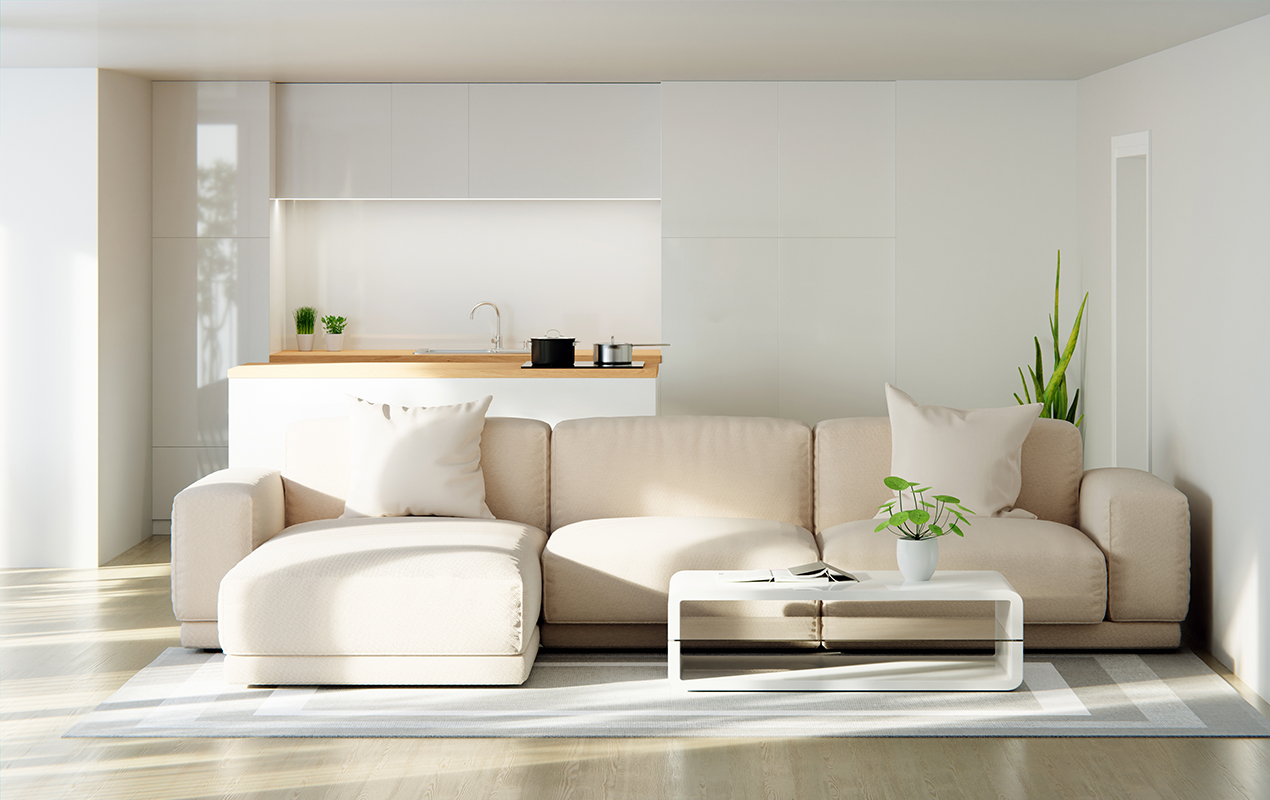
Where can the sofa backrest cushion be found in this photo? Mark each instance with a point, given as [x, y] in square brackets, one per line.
[738, 467]
[853, 456]
[515, 459]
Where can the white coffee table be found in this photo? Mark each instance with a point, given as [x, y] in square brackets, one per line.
[825, 671]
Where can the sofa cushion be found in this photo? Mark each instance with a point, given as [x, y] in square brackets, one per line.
[515, 460]
[1058, 571]
[416, 461]
[853, 456]
[973, 454]
[386, 586]
[618, 570]
[746, 467]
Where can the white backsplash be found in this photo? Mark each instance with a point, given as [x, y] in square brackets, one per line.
[406, 273]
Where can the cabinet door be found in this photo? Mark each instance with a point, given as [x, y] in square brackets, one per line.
[210, 167]
[837, 159]
[334, 139]
[429, 140]
[719, 160]
[565, 140]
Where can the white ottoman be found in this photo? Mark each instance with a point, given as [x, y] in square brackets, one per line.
[402, 600]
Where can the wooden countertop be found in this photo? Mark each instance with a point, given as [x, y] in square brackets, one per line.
[405, 364]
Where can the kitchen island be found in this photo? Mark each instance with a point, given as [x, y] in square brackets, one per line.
[266, 399]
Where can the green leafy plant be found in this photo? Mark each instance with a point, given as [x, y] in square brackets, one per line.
[334, 325]
[922, 519]
[1052, 393]
[305, 316]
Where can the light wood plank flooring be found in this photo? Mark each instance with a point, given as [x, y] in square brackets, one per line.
[69, 638]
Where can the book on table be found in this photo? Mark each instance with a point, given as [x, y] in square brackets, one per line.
[816, 571]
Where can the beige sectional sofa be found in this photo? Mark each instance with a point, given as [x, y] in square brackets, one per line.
[263, 569]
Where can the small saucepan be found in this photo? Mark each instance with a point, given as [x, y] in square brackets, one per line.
[616, 355]
[552, 350]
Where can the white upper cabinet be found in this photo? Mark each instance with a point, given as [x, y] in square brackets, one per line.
[565, 140]
[837, 159]
[210, 162]
[334, 140]
[429, 140]
[719, 160]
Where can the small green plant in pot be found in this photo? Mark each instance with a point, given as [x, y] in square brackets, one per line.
[918, 524]
[334, 332]
[305, 318]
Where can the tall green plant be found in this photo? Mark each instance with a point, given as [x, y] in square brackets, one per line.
[1052, 394]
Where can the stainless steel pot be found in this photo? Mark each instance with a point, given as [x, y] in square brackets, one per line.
[552, 351]
[616, 355]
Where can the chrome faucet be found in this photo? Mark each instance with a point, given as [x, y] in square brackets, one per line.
[497, 341]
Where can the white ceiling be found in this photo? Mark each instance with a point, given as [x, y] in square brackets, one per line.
[605, 40]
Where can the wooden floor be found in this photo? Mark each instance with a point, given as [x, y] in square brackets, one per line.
[69, 638]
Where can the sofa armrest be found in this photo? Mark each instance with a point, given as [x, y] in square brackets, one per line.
[1143, 527]
[216, 522]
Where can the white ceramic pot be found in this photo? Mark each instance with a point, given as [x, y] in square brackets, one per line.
[917, 558]
[334, 341]
[304, 341]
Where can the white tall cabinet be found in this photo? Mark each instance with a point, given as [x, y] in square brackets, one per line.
[211, 168]
[778, 230]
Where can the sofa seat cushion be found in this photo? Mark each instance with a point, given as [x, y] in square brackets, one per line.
[1058, 571]
[412, 586]
[618, 570]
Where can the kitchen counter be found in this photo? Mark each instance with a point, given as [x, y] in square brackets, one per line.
[405, 364]
[266, 399]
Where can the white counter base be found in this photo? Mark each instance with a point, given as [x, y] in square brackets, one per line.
[261, 409]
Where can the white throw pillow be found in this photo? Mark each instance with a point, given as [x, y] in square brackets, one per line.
[974, 455]
[416, 462]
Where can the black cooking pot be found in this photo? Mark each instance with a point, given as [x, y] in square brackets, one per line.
[552, 351]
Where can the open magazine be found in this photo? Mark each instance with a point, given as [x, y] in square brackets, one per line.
[815, 571]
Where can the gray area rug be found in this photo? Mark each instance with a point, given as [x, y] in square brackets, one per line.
[183, 694]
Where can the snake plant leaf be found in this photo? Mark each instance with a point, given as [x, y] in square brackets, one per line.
[1071, 412]
[1061, 368]
[1026, 392]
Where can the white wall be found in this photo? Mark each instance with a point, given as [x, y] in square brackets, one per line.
[48, 318]
[985, 196]
[123, 300]
[839, 235]
[406, 273]
[74, 316]
[1207, 106]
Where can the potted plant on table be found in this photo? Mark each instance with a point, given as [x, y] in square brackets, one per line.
[334, 332]
[305, 317]
[919, 523]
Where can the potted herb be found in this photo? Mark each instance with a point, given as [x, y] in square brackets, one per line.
[919, 523]
[305, 317]
[334, 332]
